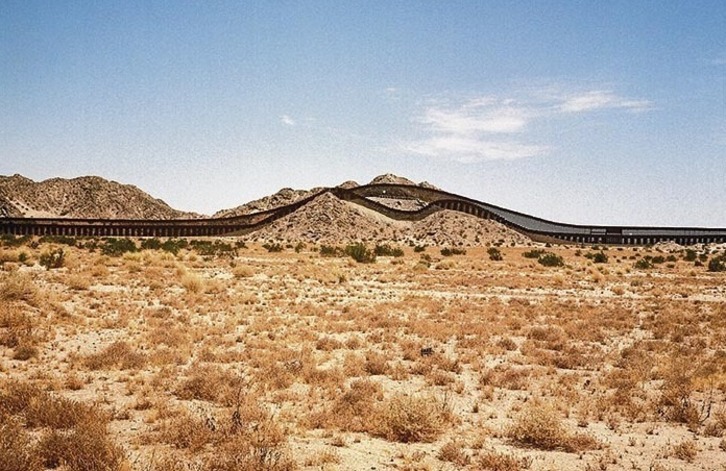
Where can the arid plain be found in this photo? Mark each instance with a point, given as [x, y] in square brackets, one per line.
[222, 356]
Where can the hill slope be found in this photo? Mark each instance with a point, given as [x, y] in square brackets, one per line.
[82, 197]
[329, 220]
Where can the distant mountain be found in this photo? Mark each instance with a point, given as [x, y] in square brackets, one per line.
[82, 197]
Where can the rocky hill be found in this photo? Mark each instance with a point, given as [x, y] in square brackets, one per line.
[288, 196]
[82, 197]
[281, 198]
[329, 220]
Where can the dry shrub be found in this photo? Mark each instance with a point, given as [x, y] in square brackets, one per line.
[17, 327]
[323, 457]
[168, 333]
[493, 461]
[248, 440]
[24, 352]
[243, 272]
[507, 343]
[16, 450]
[81, 449]
[439, 378]
[193, 283]
[327, 343]
[716, 426]
[540, 426]
[15, 396]
[78, 282]
[263, 449]
[507, 377]
[677, 400]
[18, 287]
[59, 413]
[117, 355]
[77, 438]
[353, 410]
[376, 363]
[413, 418]
[188, 432]
[209, 383]
[686, 451]
[453, 452]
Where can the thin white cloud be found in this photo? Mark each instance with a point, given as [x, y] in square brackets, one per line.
[470, 149]
[469, 119]
[287, 120]
[490, 128]
[600, 99]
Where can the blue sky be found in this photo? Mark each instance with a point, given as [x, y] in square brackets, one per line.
[586, 112]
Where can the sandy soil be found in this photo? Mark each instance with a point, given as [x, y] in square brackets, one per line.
[414, 362]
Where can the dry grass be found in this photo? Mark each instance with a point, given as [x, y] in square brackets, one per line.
[72, 435]
[409, 419]
[292, 360]
[539, 425]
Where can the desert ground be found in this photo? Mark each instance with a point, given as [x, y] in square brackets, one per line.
[225, 356]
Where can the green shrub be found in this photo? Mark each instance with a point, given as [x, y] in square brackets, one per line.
[448, 252]
[117, 247]
[495, 254]
[419, 248]
[690, 255]
[53, 259]
[717, 264]
[549, 259]
[272, 248]
[386, 250]
[534, 253]
[58, 239]
[360, 253]
[173, 246]
[644, 263]
[217, 248]
[151, 244]
[600, 257]
[9, 240]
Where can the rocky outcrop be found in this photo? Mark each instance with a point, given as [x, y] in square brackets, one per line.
[281, 198]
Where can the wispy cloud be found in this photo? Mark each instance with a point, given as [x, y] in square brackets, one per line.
[494, 128]
[287, 120]
[469, 149]
[600, 99]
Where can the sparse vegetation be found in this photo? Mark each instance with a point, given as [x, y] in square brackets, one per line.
[117, 247]
[717, 263]
[360, 253]
[208, 362]
[449, 251]
[385, 250]
[495, 254]
[53, 259]
[549, 259]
